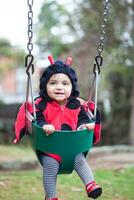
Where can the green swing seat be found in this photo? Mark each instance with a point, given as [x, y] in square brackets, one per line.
[66, 144]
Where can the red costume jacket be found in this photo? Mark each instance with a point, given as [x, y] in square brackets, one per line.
[69, 117]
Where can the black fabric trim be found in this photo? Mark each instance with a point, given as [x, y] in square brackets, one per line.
[83, 117]
[41, 105]
[66, 127]
[40, 118]
[73, 103]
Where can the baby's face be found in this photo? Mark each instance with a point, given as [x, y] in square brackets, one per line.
[59, 88]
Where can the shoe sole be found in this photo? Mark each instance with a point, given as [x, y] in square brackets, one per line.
[96, 193]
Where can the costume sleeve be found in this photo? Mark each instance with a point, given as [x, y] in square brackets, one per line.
[40, 118]
[40, 105]
[83, 117]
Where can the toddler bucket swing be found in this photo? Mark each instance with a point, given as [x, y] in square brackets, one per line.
[66, 144]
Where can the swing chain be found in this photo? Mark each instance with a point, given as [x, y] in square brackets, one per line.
[98, 59]
[30, 58]
[29, 62]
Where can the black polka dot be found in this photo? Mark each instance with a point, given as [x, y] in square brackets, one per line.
[66, 127]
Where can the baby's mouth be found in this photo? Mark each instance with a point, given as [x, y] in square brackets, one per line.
[59, 93]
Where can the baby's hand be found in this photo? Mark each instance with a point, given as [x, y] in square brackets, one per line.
[49, 129]
[89, 126]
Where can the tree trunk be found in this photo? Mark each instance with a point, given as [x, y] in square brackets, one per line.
[131, 131]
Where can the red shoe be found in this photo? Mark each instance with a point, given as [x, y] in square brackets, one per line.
[55, 198]
[93, 190]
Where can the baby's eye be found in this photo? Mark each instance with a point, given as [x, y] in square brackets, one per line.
[65, 83]
[52, 83]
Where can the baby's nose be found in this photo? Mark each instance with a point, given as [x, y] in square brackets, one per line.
[59, 86]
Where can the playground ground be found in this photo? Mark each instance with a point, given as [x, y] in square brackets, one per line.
[106, 157]
[115, 157]
[113, 169]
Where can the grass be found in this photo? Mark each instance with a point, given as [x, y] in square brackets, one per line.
[16, 152]
[27, 185]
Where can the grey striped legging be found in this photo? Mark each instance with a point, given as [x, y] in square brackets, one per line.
[50, 170]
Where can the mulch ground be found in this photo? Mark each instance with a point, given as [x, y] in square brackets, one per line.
[107, 157]
[115, 157]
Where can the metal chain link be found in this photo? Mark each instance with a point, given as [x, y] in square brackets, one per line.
[29, 64]
[30, 58]
[98, 58]
[98, 61]
[30, 26]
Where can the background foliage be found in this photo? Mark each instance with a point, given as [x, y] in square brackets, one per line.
[117, 81]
